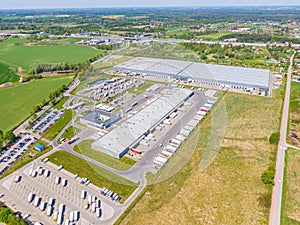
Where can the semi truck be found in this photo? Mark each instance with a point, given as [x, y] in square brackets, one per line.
[30, 197]
[170, 148]
[177, 142]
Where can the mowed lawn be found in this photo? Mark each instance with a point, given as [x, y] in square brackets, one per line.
[229, 191]
[7, 74]
[16, 103]
[98, 176]
[15, 52]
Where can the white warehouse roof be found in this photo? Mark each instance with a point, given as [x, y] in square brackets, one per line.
[231, 75]
[130, 131]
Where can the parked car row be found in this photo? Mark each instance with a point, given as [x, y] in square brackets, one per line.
[43, 123]
[10, 154]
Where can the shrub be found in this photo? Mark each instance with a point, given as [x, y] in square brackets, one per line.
[274, 138]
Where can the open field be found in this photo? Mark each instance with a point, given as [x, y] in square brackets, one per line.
[59, 125]
[7, 74]
[16, 103]
[84, 148]
[229, 191]
[16, 53]
[290, 214]
[294, 115]
[26, 158]
[97, 175]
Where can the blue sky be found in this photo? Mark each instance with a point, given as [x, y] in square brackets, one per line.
[5, 4]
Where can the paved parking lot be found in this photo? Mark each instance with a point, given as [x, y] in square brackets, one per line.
[47, 120]
[107, 88]
[11, 153]
[16, 195]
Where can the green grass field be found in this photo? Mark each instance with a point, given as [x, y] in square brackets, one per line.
[294, 115]
[59, 125]
[7, 74]
[97, 175]
[16, 103]
[16, 53]
[290, 208]
[84, 148]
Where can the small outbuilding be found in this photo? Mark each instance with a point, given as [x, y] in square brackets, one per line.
[39, 147]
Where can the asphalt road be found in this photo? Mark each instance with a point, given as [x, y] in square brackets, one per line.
[275, 211]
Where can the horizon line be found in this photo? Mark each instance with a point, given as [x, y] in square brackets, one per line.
[156, 6]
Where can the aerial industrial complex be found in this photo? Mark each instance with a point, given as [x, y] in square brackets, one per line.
[130, 132]
[229, 77]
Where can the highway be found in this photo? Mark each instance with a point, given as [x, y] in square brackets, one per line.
[275, 211]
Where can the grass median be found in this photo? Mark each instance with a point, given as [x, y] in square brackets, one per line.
[58, 126]
[98, 176]
[84, 148]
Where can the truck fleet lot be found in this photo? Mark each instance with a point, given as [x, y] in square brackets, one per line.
[39, 194]
[44, 193]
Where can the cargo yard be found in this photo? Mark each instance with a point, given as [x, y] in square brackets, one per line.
[145, 127]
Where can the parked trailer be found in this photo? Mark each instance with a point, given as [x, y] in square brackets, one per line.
[30, 197]
[89, 199]
[94, 207]
[83, 194]
[36, 202]
[34, 173]
[76, 216]
[47, 173]
[180, 137]
[86, 204]
[43, 206]
[67, 222]
[167, 122]
[49, 210]
[98, 203]
[201, 113]
[158, 163]
[41, 171]
[59, 168]
[71, 217]
[60, 219]
[175, 141]
[168, 154]
[17, 178]
[161, 159]
[51, 201]
[61, 208]
[174, 145]
[98, 212]
[57, 180]
[94, 198]
[64, 182]
[170, 148]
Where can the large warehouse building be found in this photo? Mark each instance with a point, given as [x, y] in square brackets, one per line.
[130, 132]
[228, 76]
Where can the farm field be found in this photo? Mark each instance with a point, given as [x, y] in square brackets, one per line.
[229, 190]
[7, 74]
[15, 52]
[290, 210]
[294, 115]
[84, 148]
[97, 175]
[18, 102]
